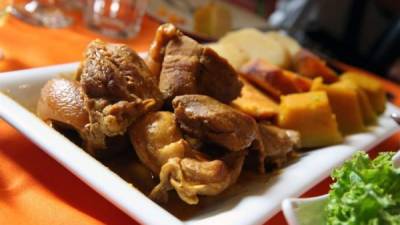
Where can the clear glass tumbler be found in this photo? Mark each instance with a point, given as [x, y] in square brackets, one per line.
[44, 13]
[115, 18]
[5, 8]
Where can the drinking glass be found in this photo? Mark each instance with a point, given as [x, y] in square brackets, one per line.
[41, 12]
[5, 7]
[115, 18]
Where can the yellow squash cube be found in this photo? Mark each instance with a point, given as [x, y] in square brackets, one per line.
[212, 19]
[344, 103]
[372, 87]
[311, 115]
[368, 113]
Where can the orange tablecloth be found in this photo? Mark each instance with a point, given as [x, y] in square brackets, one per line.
[35, 189]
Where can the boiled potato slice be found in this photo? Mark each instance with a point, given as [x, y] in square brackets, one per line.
[372, 87]
[344, 103]
[290, 44]
[235, 56]
[255, 103]
[257, 45]
[311, 115]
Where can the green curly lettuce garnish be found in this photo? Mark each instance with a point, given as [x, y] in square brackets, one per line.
[366, 192]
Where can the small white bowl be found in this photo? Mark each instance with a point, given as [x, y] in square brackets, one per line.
[310, 211]
[305, 211]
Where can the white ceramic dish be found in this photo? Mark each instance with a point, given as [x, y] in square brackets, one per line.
[310, 211]
[254, 206]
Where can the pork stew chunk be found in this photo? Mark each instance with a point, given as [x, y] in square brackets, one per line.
[183, 66]
[206, 118]
[118, 88]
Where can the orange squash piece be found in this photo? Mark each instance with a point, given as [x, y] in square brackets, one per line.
[345, 105]
[372, 88]
[310, 114]
[368, 113]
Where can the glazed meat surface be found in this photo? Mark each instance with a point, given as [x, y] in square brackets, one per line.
[155, 56]
[191, 177]
[183, 66]
[180, 64]
[205, 118]
[118, 88]
[61, 100]
[159, 145]
[278, 143]
[156, 138]
[217, 78]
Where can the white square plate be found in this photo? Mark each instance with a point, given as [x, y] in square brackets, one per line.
[256, 205]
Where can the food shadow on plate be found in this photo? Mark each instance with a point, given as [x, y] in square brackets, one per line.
[127, 165]
[248, 184]
[129, 168]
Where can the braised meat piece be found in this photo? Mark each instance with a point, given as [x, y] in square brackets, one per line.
[205, 118]
[61, 105]
[156, 138]
[217, 78]
[180, 63]
[186, 67]
[278, 143]
[191, 177]
[61, 100]
[155, 56]
[118, 88]
[158, 143]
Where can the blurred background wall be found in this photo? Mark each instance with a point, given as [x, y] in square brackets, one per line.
[364, 33]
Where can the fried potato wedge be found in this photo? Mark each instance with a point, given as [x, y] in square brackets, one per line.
[274, 80]
[255, 103]
[310, 65]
